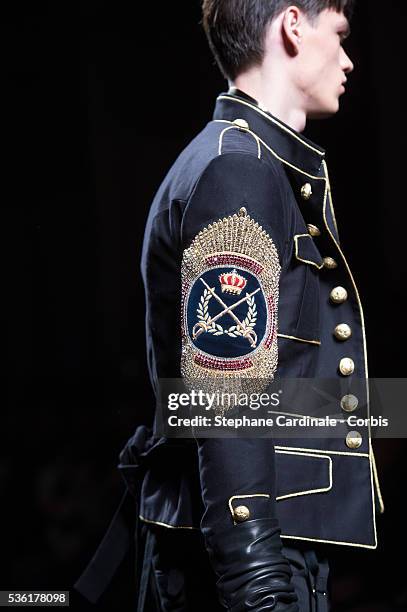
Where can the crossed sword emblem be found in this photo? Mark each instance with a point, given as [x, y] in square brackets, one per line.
[201, 327]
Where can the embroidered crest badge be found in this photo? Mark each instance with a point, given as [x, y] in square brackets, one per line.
[230, 280]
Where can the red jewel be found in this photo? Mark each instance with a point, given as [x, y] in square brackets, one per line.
[235, 260]
[219, 364]
[272, 312]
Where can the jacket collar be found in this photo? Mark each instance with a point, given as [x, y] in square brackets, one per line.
[290, 145]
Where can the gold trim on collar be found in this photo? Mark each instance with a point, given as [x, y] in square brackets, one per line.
[269, 118]
[281, 159]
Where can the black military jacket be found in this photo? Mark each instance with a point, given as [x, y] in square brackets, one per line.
[249, 173]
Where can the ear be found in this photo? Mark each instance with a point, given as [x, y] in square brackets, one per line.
[292, 28]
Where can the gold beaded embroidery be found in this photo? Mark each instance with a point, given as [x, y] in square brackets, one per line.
[238, 241]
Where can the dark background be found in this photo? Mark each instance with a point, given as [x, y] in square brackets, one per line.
[100, 99]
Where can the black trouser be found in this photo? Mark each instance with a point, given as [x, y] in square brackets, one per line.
[177, 576]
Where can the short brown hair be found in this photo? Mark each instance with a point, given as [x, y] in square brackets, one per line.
[235, 28]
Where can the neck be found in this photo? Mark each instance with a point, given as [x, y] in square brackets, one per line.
[275, 96]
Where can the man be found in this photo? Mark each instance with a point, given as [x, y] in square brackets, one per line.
[247, 524]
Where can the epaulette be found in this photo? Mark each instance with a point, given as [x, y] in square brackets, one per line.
[237, 137]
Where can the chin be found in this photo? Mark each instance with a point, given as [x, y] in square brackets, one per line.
[323, 111]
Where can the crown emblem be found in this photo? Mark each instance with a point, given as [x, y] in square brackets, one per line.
[232, 282]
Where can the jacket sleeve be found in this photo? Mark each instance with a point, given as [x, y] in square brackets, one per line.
[234, 236]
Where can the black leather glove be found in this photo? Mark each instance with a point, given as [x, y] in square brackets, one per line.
[240, 525]
[253, 574]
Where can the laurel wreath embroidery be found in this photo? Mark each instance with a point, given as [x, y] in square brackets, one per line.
[217, 330]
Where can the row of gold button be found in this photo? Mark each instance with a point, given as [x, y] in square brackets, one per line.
[338, 295]
[342, 332]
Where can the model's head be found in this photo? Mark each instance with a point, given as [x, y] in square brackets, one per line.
[300, 42]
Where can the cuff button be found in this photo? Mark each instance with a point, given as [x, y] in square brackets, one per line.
[241, 513]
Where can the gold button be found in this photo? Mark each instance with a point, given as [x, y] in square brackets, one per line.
[349, 403]
[346, 366]
[338, 295]
[330, 263]
[306, 191]
[353, 439]
[241, 513]
[342, 331]
[241, 123]
[313, 230]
